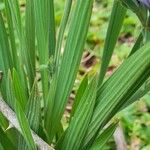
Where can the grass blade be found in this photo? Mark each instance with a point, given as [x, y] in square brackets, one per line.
[63, 25]
[18, 53]
[19, 90]
[33, 115]
[137, 44]
[3, 122]
[5, 56]
[11, 35]
[4, 46]
[79, 123]
[71, 58]
[145, 88]
[52, 38]
[10, 93]
[79, 95]
[5, 141]
[11, 116]
[115, 24]
[119, 88]
[24, 125]
[16, 17]
[30, 39]
[104, 137]
[42, 23]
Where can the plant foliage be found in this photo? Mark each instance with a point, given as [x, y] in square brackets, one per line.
[36, 78]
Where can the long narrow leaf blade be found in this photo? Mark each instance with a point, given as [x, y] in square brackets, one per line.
[33, 115]
[5, 56]
[79, 123]
[137, 44]
[104, 137]
[30, 39]
[145, 88]
[115, 24]
[52, 38]
[11, 35]
[71, 57]
[79, 95]
[19, 90]
[119, 88]
[42, 26]
[63, 25]
[24, 125]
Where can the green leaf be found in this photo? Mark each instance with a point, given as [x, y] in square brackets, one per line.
[63, 25]
[5, 56]
[13, 135]
[18, 52]
[3, 121]
[16, 16]
[4, 47]
[119, 88]
[137, 44]
[116, 21]
[71, 59]
[52, 38]
[79, 123]
[42, 25]
[48, 109]
[59, 132]
[9, 17]
[5, 141]
[9, 88]
[33, 115]
[79, 95]
[145, 88]
[24, 125]
[30, 39]
[19, 90]
[102, 139]
[33, 108]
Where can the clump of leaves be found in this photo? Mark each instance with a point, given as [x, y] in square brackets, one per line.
[36, 78]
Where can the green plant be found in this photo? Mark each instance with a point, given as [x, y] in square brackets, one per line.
[36, 78]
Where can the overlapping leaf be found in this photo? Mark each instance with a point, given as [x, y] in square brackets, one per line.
[79, 123]
[71, 57]
[24, 125]
[104, 137]
[119, 88]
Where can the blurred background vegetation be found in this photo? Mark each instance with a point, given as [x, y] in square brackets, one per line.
[134, 120]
